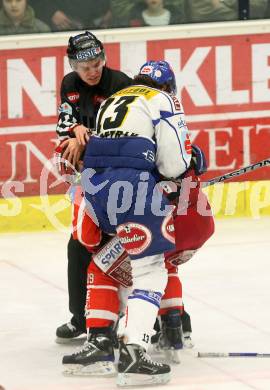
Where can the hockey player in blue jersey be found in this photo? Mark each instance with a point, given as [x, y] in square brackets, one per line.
[141, 138]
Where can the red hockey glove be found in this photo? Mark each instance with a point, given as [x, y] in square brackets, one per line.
[69, 172]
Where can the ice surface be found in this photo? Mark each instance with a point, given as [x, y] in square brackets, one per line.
[226, 290]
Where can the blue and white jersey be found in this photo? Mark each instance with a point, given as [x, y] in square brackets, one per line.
[141, 127]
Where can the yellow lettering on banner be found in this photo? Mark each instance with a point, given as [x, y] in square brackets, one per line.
[148, 93]
[53, 212]
[35, 213]
[239, 199]
[259, 198]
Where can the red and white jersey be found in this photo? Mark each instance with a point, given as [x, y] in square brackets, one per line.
[84, 228]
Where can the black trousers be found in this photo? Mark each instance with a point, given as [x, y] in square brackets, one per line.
[78, 261]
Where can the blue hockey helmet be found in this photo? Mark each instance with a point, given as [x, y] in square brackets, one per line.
[161, 72]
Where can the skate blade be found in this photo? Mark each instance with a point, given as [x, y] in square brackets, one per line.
[128, 380]
[105, 369]
[74, 340]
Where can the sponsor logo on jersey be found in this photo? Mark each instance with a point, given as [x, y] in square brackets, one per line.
[109, 254]
[167, 228]
[149, 155]
[65, 108]
[176, 103]
[117, 134]
[73, 97]
[180, 257]
[146, 92]
[182, 123]
[188, 146]
[134, 237]
[156, 296]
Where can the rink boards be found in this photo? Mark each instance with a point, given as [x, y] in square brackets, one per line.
[222, 77]
[53, 212]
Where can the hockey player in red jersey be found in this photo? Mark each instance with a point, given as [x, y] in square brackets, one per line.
[106, 291]
[98, 350]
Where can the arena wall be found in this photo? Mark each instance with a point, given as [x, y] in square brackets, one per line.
[222, 72]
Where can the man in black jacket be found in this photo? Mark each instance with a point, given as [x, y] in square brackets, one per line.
[82, 92]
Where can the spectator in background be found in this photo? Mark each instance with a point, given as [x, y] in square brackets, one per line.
[156, 13]
[120, 12]
[267, 12]
[218, 10]
[257, 9]
[17, 17]
[43, 11]
[64, 15]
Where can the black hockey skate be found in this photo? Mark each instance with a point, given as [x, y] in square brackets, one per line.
[136, 368]
[169, 339]
[67, 332]
[96, 358]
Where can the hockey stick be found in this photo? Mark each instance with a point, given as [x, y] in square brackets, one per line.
[238, 172]
[232, 354]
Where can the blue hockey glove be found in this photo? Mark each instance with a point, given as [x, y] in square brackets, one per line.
[198, 160]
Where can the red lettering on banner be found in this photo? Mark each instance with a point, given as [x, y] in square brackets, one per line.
[228, 148]
[25, 159]
[30, 83]
[134, 237]
[217, 74]
[223, 82]
[30, 92]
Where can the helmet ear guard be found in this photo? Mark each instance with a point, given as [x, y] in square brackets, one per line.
[161, 72]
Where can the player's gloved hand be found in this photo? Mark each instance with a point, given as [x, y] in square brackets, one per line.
[66, 169]
[198, 166]
[72, 150]
[58, 160]
[82, 134]
[171, 190]
[198, 160]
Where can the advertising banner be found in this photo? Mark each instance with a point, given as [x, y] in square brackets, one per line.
[223, 83]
